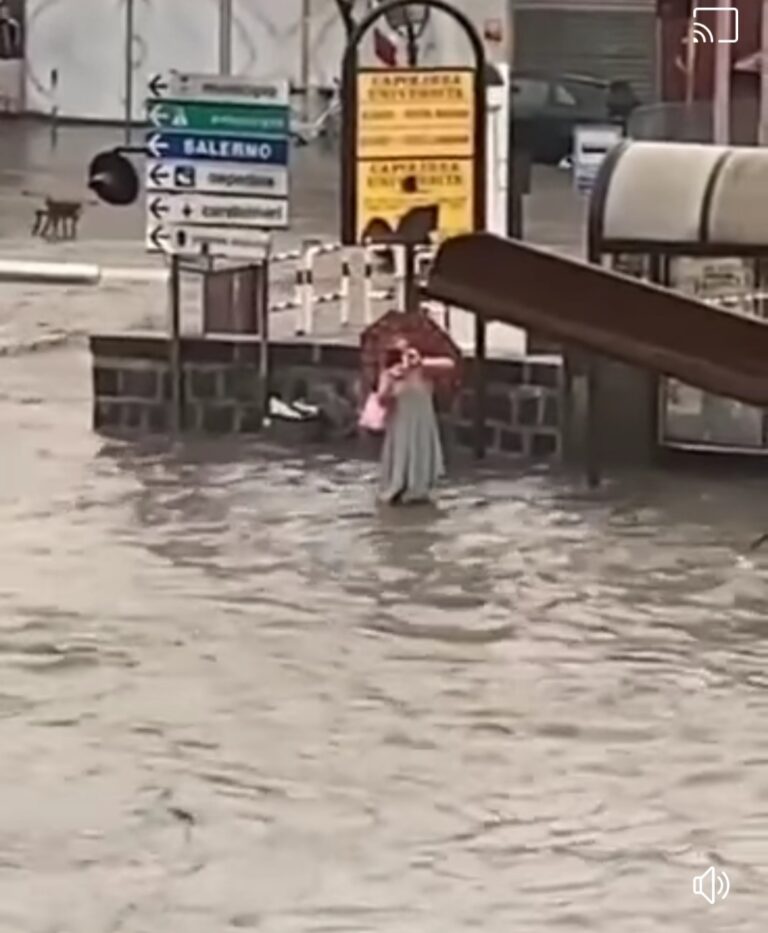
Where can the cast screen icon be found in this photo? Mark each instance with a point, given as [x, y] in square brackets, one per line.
[713, 885]
[726, 19]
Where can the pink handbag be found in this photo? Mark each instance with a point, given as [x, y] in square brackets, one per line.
[373, 417]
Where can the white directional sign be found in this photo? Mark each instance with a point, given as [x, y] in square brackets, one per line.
[217, 178]
[219, 151]
[224, 242]
[175, 208]
[224, 89]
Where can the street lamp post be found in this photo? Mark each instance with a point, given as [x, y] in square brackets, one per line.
[128, 59]
[225, 37]
[306, 22]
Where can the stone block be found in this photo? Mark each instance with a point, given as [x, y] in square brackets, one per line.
[192, 415]
[249, 419]
[543, 445]
[203, 384]
[218, 419]
[133, 415]
[107, 415]
[546, 375]
[550, 416]
[465, 436]
[205, 349]
[285, 355]
[246, 353]
[339, 357]
[158, 419]
[499, 407]
[528, 411]
[505, 372]
[512, 442]
[167, 385]
[129, 347]
[241, 384]
[139, 383]
[105, 381]
[467, 405]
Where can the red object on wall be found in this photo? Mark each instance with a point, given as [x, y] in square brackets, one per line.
[674, 15]
[384, 48]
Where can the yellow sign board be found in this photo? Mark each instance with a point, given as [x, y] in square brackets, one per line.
[419, 113]
[388, 189]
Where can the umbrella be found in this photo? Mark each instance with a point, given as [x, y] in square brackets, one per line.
[420, 331]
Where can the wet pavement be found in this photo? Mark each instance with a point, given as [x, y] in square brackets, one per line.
[234, 696]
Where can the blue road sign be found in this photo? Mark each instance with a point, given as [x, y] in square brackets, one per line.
[216, 148]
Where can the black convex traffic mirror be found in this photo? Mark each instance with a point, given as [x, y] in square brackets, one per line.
[112, 177]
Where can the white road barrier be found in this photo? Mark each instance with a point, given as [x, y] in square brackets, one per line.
[49, 273]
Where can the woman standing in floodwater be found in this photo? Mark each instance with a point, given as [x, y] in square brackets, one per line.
[412, 456]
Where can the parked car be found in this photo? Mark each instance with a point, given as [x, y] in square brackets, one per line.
[546, 108]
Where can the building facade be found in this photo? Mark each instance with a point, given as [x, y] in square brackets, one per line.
[610, 39]
[691, 77]
[73, 57]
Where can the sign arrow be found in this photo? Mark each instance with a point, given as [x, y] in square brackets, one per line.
[159, 115]
[158, 174]
[157, 237]
[156, 145]
[157, 85]
[158, 208]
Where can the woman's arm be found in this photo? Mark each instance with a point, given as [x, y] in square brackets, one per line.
[386, 387]
[433, 365]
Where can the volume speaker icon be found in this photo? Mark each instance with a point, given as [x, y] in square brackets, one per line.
[712, 885]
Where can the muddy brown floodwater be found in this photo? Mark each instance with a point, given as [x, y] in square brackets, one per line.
[233, 696]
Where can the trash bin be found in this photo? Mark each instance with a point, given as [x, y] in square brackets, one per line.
[232, 299]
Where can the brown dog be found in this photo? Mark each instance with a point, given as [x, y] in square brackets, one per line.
[58, 219]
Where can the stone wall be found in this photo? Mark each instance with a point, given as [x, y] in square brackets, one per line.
[132, 390]
[132, 385]
[524, 409]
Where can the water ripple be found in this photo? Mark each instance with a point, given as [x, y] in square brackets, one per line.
[527, 709]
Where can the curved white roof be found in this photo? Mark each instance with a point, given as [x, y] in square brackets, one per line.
[738, 211]
[681, 193]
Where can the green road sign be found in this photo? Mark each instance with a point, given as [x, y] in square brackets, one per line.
[240, 119]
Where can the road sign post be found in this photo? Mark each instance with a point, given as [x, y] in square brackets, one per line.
[414, 141]
[218, 157]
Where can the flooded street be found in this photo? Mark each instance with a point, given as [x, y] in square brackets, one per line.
[234, 696]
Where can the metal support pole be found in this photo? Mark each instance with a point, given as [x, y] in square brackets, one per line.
[306, 20]
[722, 99]
[128, 62]
[225, 37]
[177, 400]
[412, 46]
[412, 296]
[479, 386]
[763, 131]
[264, 340]
[592, 453]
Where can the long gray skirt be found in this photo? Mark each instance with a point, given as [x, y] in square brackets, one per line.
[412, 455]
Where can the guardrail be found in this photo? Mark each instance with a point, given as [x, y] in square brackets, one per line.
[306, 298]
